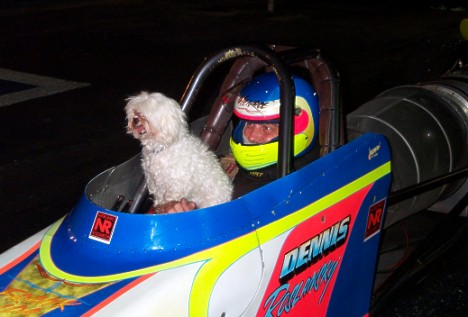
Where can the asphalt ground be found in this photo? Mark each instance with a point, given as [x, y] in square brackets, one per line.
[66, 68]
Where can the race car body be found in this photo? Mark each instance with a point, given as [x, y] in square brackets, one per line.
[305, 244]
[294, 246]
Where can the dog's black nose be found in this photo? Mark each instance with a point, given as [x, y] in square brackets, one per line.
[135, 120]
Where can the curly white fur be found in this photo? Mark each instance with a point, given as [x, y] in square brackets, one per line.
[176, 164]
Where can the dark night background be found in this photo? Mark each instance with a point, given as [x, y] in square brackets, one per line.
[51, 146]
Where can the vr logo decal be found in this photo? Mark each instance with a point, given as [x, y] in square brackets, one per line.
[374, 219]
[103, 227]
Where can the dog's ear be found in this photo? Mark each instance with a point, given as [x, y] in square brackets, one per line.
[172, 122]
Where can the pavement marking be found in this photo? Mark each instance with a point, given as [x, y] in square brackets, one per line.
[17, 87]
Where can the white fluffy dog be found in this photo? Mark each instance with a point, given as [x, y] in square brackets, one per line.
[176, 164]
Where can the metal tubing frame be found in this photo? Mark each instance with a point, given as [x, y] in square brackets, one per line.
[287, 94]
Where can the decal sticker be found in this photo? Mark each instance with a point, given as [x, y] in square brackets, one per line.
[308, 271]
[314, 249]
[33, 292]
[307, 268]
[103, 227]
[373, 152]
[374, 219]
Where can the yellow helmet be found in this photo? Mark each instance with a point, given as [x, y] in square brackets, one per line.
[259, 102]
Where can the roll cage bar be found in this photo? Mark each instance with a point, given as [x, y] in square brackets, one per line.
[248, 60]
[277, 58]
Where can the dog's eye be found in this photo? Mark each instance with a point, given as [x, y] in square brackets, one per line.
[135, 120]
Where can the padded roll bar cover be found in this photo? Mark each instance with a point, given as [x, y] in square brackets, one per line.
[327, 84]
[242, 69]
